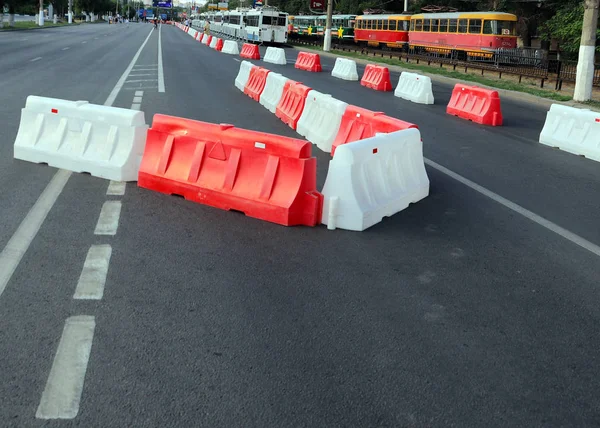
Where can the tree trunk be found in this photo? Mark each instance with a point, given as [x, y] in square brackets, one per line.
[1, 13]
[11, 15]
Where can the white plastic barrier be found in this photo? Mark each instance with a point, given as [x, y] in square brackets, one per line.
[213, 42]
[320, 119]
[271, 94]
[205, 39]
[230, 47]
[192, 32]
[345, 69]
[414, 87]
[202, 36]
[107, 142]
[573, 130]
[374, 178]
[275, 56]
[243, 75]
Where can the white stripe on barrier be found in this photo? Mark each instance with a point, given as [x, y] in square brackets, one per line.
[213, 42]
[414, 87]
[273, 91]
[374, 178]
[345, 69]
[275, 56]
[243, 75]
[230, 47]
[320, 119]
[573, 130]
[107, 142]
[205, 39]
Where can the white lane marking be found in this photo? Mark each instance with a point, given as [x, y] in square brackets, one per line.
[137, 99]
[235, 59]
[139, 93]
[161, 74]
[570, 236]
[93, 276]
[116, 188]
[84, 42]
[61, 397]
[140, 87]
[36, 59]
[108, 222]
[24, 39]
[113, 95]
[140, 80]
[67, 48]
[138, 75]
[95, 38]
[135, 106]
[19, 243]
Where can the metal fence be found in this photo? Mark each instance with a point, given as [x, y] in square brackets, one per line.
[531, 63]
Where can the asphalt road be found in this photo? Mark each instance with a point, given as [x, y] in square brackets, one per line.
[458, 311]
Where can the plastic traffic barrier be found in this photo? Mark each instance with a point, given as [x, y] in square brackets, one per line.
[213, 42]
[192, 32]
[202, 36]
[243, 75]
[265, 176]
[321, 119]
[230, 47]
[376, 77]
[275, 56]
[256, 82]
[374, 178]
[308, 62]
[573, 130]
[476, 104]
[291, 104]
[219, 45]
[345, 69]
[106, 142]
[209, 40]
[198, 36]
[206, 39]
[271, 94]
[359, 123]
[415, 87]
[250, 51]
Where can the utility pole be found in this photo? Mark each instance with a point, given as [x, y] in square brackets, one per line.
[327, 38]
[587, 48]
[41, 18]
[70, 11]
[405, 5]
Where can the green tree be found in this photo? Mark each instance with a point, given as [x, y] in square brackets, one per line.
[565, 26]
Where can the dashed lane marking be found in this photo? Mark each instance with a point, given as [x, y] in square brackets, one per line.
[67, 48]
[61, 397]
[108, 222]
[36, 59]
[93, 276]
[116, 188]
[135, 106]
[139, 93]
[137, 99]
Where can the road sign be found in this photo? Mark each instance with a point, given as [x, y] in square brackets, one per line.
[317, 5]
[165, 4]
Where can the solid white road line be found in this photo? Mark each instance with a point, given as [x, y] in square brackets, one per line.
[570, 236]
[108, 222]
[61, 397]
[19, 243]
[139, 93]
[135, 106]
[161, 74]
[113, 95]
[138, 75]
[116, 188]
[36, 59]
[93, 276]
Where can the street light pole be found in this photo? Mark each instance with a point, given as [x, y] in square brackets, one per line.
[70, 18]
[585, 66]
[405, 5]
[327, 38]
[41, 18]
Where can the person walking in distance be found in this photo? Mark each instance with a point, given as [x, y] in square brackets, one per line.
[206, 28]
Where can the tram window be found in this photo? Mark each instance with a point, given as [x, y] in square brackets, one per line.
[462, 25]
[419, 25]
[404, 25]
[443, 25]
[412, 25]
[435, 26]
[499, 28]
[452, 25]
[475, 26]
[427, 25]
[385, 25]
[393, 25]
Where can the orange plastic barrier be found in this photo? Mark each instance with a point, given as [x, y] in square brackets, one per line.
[359, 123]
[219, 45]
[208, 40]
[250, 51]
[376, 77]
[476, 104]
[308, 61]
[265, 176]
[256, 82]
[291, 104]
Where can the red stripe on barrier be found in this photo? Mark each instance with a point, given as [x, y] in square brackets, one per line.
[256, 82]
[476, 104]
[308, 61]
[219, 45]
[250, 51]
[208, 40]
[359, 123]
[292, 102]
[376, 77]
[265, 176]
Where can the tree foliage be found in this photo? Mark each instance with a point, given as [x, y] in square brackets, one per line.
[566, 25]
